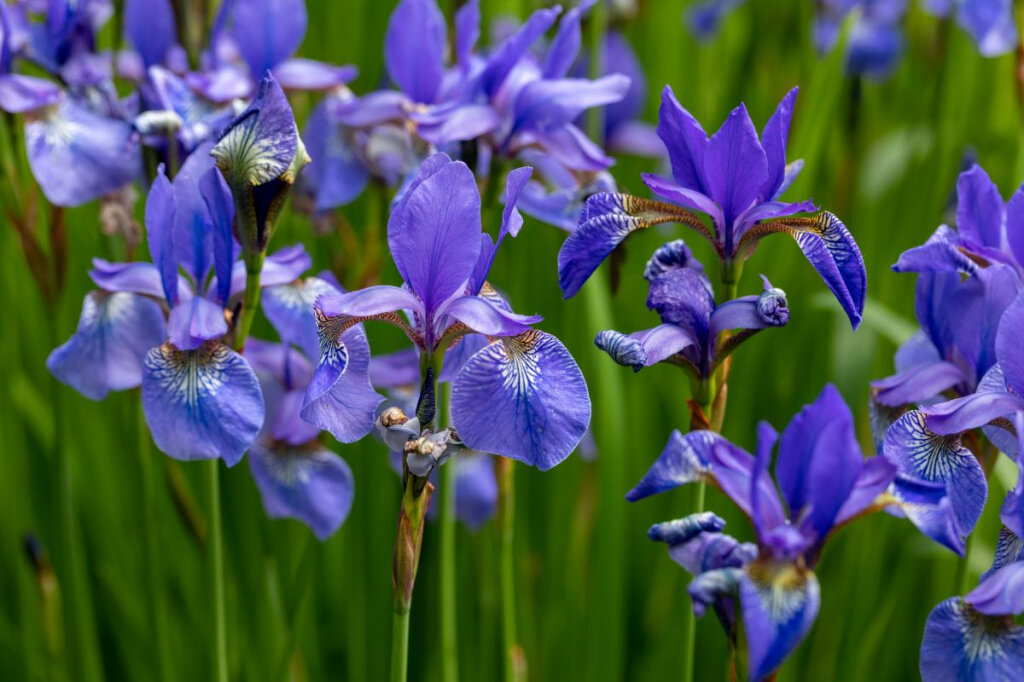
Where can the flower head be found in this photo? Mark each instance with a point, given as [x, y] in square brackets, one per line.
[520, 393]
[736, 179]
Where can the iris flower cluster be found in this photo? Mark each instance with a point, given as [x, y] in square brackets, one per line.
[516, 101]
[955, 404]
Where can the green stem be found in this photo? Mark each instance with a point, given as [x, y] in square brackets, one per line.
[253, 267]
[217, 569]
[153, 559]
[515, 663]
[399, 645]
[449, 595]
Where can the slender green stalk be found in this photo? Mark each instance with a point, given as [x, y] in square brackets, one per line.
[217, 569]
[449, 594]
[154, 562]
[399, 645]
[253, 267]
[515, 662]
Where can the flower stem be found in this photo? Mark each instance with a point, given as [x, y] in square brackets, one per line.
[399, 645]
[449, 612]
[253, 267]
[415, 501]
[153, 560]
[515, 661]
[217, 569]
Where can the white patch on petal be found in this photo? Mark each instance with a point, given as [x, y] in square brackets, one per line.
[189, 376]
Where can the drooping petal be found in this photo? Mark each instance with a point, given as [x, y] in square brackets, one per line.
[289, 307]
[779, 603]
[308, 483]
[455, 122]
[77, 155]
[685, 140]
[979, 212]
[414, 48]
[918, 384]
[688, 198]
[20, 94]
[695, 543]
[819, 460]
[336, 175]
[1009, 549]
[928, 507]
[476, 488]
[133, 278]
[922, 454]
[268, 31]
[831, 250]
[115, 331]
[606, 221]
[201, 404]
[969, 412]
[524, 398]
[434, 231]
[962, 645]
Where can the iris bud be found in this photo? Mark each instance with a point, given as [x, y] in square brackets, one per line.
[622, 349]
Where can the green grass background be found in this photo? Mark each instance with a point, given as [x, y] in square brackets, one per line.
[597, 600]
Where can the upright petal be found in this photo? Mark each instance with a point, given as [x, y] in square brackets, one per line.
[962, 645]
[414, 48]
[149, 25]
[524, 398]
[819, 461]
[309, 483]
[161, 223]
[201, 404]
[115, 331]
[77, 155]
[779, 603]
[735, 165]
[979, 211]
[773, 139]
[268, 31]
[685, 141]
[434, 231]
[336, 175]
[550, 104]
[1008, 339]
[467, 31]
[682, 297]
[561, 54]
[507, 55]
[920, 453]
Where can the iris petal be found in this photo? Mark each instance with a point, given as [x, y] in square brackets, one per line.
[289, 307]
[201, 404]
[115, 331]
[310, 484]
[524, 398]
[961, 645]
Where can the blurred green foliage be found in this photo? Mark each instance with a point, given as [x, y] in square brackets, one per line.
[593, 604]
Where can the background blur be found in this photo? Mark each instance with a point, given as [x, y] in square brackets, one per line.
[597, 600]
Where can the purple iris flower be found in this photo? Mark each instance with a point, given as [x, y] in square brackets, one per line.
[521, 394]
[734, 178]
[825, 482]
[990, 23]
[163, 324]
[691, 323]
[248, 39]
[967, 279]
[297, 476]
[975, 638]
[875, 41]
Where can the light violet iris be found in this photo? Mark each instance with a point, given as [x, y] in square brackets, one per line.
[520, 394]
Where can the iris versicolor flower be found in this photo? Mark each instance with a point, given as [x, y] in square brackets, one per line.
[165, 324]
[502, 103]
[975, 639]
[967, 279]
[520, 394]
[689, 336]
[770, 588]
[734, 178]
